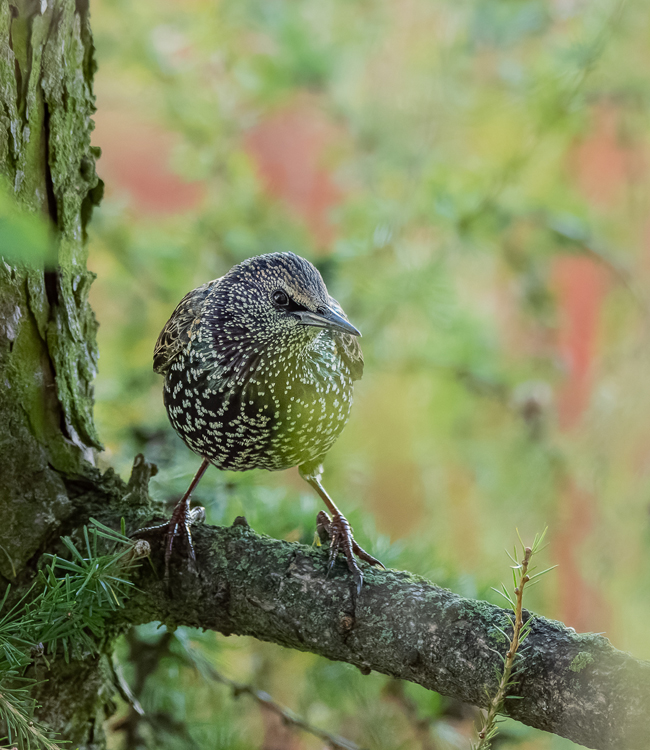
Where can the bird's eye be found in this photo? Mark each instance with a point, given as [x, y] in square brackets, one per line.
[280, 298]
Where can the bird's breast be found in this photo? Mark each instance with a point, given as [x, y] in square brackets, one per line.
[277, 413]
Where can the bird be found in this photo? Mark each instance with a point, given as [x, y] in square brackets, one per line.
[259, 367]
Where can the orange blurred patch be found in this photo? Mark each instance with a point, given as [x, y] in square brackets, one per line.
[602, 164]
[290, 149]
[581, 284]
[135, 159]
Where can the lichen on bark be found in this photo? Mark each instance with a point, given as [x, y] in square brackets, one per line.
[402, 626]
[48, 351]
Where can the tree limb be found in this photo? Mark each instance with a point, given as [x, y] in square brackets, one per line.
[576, 686]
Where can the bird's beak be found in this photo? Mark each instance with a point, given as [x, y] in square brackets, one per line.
[327, 319]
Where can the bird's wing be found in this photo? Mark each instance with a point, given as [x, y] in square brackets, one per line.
[175, 336]
[348, 346]
[350, 352]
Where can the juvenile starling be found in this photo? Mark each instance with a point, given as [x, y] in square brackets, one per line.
[259, 366]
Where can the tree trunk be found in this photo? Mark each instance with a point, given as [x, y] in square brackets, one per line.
[48, 352]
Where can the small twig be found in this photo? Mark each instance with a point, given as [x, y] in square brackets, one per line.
[145, 658]
[124, 689]
[30, 731]
[520, 631]
[499, 698]
[288, 717]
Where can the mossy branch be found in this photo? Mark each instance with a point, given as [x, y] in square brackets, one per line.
[402, 626]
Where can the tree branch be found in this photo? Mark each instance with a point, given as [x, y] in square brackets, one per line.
[576, 686]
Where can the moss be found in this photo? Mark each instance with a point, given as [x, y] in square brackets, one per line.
[497, 636]
[10, 131]
[48, 354]
[581, 660]
[69, 100]
[46, 155]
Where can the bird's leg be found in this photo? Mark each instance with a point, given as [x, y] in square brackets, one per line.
[182, 519]
[339, 532]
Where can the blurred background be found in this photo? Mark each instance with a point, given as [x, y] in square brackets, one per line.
[472, 179]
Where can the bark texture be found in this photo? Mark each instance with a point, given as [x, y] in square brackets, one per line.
[48, 352]
[574, 685]
[577, 686]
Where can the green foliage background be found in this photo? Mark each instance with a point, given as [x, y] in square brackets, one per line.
[475, 145]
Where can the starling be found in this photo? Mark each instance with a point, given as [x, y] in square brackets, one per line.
[259, 368]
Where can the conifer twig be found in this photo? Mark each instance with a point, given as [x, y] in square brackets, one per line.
[63, 613]
[520, 631]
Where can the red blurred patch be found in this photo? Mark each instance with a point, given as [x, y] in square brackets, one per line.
[290, 149]
[581, 284]
[602, 168]
[602, 163]
[135, 159]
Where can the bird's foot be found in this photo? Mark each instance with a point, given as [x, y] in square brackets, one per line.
[179, 525]
[338, 532]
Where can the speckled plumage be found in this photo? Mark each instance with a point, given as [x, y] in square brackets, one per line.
[259, 367]
[247, 384]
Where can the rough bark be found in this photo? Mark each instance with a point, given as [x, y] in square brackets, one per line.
[47, 330]
[577, 686]
[47, 342]
[574, 685]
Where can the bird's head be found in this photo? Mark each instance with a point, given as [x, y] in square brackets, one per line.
[279, 296]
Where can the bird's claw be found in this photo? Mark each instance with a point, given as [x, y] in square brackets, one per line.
[196, 516]
[183, 518]
[338, 532]
[323, 524]
[180, 524]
